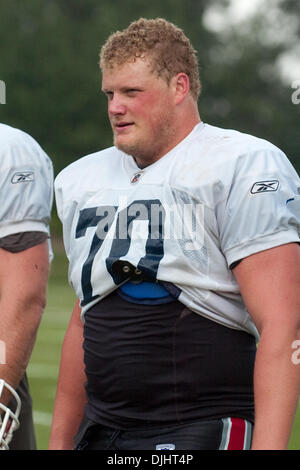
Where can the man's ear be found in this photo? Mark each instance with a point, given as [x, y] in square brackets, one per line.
[181, 84]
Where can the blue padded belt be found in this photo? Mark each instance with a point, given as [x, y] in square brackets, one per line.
[145, 292]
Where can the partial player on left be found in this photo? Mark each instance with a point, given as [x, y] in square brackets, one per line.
[26, 196]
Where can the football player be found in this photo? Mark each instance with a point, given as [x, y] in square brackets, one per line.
[26, 199]
[183, 245]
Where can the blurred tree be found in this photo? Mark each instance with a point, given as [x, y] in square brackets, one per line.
[49, 62]
[243, 86]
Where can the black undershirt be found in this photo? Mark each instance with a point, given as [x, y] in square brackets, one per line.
[150, 365]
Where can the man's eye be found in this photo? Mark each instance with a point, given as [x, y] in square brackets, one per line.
[132, 92]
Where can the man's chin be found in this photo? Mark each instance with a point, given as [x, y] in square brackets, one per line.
[126, 148]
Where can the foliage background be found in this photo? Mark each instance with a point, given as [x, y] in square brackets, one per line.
[49, 63]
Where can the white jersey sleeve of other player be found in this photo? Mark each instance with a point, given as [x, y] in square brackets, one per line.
[215, 198]
[26, 183]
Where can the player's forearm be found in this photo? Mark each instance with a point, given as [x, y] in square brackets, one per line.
[67, 416]
[70, 397]
[23, 283]
[20, 319]
[277, 387]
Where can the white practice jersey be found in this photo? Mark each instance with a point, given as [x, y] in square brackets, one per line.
[26, 190]
[214, 199]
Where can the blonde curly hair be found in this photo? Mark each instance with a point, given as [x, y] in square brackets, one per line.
[164, 44]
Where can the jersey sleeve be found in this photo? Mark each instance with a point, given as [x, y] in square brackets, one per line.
[262, 208]
[63, 198]
[26, 183]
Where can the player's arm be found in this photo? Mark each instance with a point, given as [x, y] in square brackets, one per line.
[23, 283]
[270, 285]
[70, 396]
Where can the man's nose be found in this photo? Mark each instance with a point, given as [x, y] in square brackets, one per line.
[116, 106]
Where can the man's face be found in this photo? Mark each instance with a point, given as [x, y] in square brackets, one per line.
[141, 111]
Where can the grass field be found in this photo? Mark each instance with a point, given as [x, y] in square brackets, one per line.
[44, 364]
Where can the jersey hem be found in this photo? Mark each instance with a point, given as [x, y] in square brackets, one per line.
[22, 226]
[265, 242]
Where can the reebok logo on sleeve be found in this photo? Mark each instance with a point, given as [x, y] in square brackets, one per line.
[23, 177]
[265, 186]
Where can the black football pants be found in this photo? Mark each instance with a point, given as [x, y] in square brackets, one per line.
[219, 434]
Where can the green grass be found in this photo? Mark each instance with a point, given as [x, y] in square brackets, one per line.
[44, 364]
[295, 437]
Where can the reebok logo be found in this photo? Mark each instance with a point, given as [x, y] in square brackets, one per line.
[264, 186]
[23, 177]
